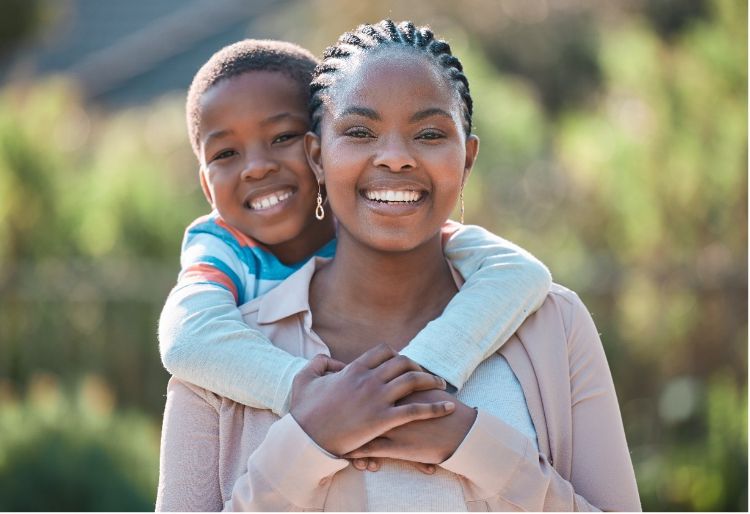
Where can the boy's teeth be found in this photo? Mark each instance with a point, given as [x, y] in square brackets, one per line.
[270, 200]
[392, 196]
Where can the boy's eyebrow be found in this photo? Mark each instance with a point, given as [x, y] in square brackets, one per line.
[217, 134]
[281, 116]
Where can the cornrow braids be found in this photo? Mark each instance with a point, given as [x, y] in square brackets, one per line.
[368, 38]
[242, 57]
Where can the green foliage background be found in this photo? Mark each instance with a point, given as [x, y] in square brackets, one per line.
[614, 148]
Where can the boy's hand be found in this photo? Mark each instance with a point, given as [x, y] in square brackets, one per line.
[427, 441]
[343, 410]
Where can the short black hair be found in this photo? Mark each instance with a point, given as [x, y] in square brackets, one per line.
[242, 57]
[368, 38]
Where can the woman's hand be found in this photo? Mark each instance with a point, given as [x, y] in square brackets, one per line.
[427, 441]
[343, 407]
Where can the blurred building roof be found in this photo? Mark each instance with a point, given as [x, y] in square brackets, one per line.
[125, 53]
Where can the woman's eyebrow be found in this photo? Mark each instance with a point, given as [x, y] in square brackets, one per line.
[373, 115]
[359, 111]
[427, 113]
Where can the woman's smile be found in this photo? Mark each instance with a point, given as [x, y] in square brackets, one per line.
[394, 197]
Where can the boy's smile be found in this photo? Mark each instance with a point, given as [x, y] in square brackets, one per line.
[254, 171]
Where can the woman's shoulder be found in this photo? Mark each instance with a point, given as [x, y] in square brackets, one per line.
[560, 301]
[563, 297]
[562, 322]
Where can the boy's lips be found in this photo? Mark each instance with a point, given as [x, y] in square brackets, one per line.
[268, 197]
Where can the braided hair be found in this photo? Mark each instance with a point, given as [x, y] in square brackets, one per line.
[242, 57]
[368, 38]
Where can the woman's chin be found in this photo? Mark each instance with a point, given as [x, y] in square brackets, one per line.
[397, 240]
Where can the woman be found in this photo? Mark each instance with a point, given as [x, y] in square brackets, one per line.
[536, 427]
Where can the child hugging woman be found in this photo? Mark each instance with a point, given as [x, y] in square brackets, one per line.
[536, 426]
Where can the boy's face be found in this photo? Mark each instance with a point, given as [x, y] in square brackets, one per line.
[253, 166]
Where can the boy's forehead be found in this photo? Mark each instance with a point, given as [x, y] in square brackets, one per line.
[263, 85]
[252, 97]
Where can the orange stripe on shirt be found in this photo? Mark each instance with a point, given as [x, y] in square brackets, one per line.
[202, 272]
[239, 236]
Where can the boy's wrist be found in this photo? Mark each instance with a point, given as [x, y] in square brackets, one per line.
[449, 388]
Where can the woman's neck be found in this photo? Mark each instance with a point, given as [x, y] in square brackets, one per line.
[365, 296]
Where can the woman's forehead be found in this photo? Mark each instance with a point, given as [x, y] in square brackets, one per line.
[394, 75]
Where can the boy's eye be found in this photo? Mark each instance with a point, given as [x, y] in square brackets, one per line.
[283, 138]
[224, 154]
[359, 133]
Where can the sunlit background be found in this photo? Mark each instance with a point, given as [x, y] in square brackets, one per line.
[614, 147]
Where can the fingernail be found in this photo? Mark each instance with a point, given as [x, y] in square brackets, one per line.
[449, 406]
[430, 469]
[443, 383]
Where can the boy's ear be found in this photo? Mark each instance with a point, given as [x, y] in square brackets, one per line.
[312, 152]
[472, 149]
[204, 186]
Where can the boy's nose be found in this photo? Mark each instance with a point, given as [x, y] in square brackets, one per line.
[394, 154]
[258, 167]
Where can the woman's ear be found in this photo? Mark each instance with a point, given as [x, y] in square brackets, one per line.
[204, 186]
[472, 149]
[312, 152]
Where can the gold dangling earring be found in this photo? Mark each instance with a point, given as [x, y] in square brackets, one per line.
[462, 205]
[320, 213]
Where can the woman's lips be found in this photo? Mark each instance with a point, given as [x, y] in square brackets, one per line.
[393, 195]
[393, 202]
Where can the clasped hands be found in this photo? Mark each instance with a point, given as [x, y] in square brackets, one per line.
[380, 405]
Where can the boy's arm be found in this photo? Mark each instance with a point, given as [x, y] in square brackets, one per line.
[203, 338]
[504, 285]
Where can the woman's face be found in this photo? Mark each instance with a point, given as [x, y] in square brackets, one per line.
[392, 150]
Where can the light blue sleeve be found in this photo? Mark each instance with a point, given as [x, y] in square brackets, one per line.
[504, 285]
[204, 340]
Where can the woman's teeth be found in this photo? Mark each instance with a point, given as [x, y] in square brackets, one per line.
[393, 196]
[269, 200]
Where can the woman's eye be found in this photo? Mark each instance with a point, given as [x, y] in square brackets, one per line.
[224, 154]
[359, 133]
[430, 135]
[283, 138]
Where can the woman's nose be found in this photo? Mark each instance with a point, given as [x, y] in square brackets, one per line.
[257, 167]
[394, 153]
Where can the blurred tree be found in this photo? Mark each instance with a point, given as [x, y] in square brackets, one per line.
[19, 20]
[76, 451]
[671, 17]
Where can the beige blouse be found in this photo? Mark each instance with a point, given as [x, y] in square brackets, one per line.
[220, 455]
